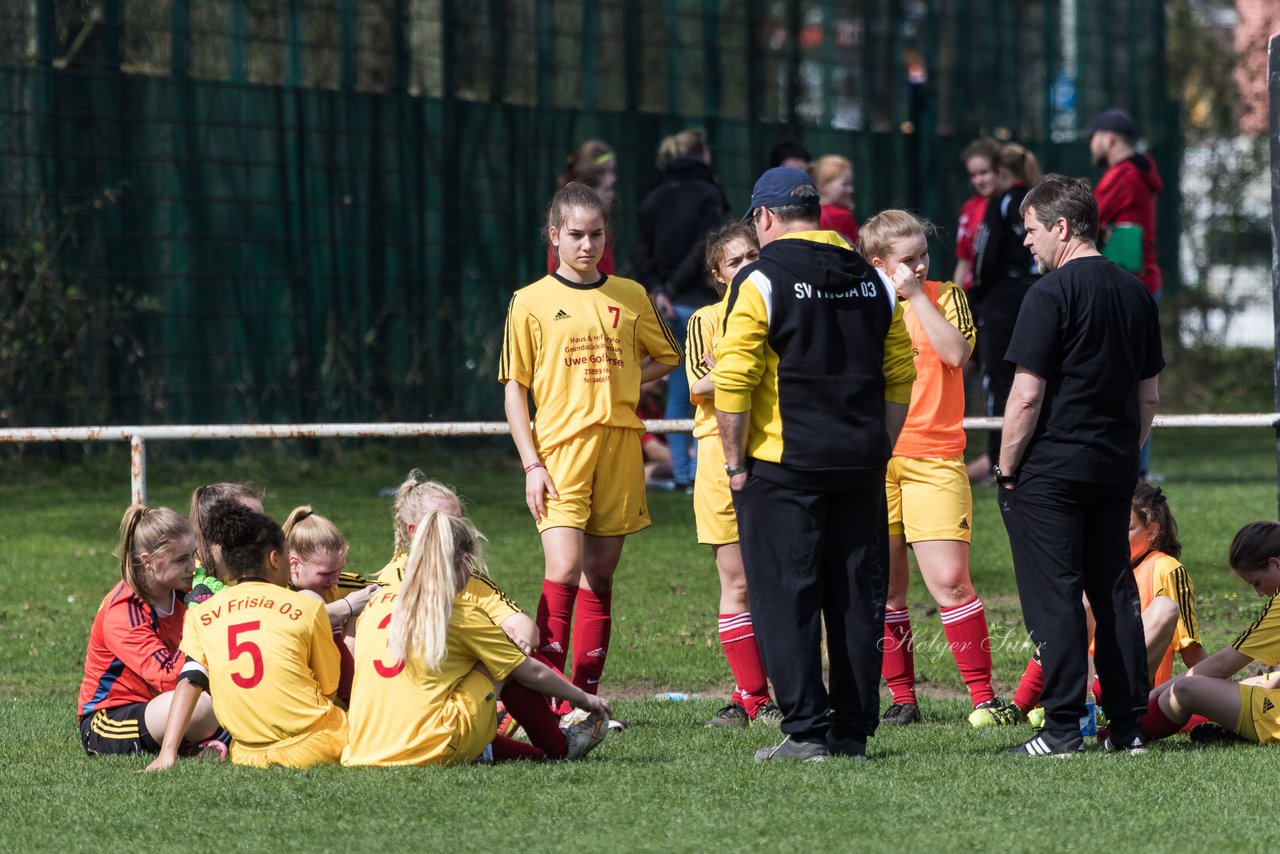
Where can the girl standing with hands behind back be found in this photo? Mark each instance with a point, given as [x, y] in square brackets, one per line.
[581, 343]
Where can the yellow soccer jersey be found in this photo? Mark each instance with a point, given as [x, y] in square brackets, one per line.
[1170, 578]
[401, 714]
[271, 659]
[704, 330]
[1261, 641]
[578, 349]
[480, 589]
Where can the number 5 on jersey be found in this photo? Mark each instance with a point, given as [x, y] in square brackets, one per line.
[237, 648]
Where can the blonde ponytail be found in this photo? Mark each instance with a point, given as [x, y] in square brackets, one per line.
[417, 497]
[309, 535]
[444, 551]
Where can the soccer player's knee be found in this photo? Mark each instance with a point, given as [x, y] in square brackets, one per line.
[957, 593]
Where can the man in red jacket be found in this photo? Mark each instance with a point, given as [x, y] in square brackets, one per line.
[1127, 190]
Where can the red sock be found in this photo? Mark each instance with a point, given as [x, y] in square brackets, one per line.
[1156, 724]
[738, 638]
[531, 711]
[1096, 688]
[508, 749]
[899, 668]
[965, 626]
[1030, 686]
[591, 630]
[555, 615]
[1195, 721]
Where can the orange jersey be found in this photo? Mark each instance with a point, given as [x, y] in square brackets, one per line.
[935, 419]
[1158, 574]
[133, 651]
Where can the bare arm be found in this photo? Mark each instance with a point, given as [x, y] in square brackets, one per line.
[1148, 400]
[733, 436]
[1020, 416]
[537, 483]
[704, 389]
[654, 370]
[964, 267]
[522, 631]
[180, 710]
[948, 342]
[1193, 655]
[535, 675]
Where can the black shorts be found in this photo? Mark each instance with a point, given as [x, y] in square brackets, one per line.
[121, 730]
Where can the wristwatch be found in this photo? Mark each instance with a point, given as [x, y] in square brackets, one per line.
[734, 472]
[1001, 477]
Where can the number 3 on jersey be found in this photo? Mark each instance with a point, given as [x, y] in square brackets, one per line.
[387, 671]
[237, 648]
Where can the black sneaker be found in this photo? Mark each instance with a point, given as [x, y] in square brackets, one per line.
[731, 715]
[1130, 745]
[847, 747]
[768, 715]
[901, 714]
[798, 751]
[1044, 743]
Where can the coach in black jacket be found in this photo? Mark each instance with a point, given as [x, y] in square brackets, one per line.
[813, 379]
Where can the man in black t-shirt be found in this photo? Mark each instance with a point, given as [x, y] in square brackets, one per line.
[1087, 354]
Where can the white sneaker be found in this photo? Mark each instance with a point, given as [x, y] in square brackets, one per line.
[582, 732]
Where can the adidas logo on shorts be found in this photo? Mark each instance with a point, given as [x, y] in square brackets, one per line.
[964, 524]
[561, 315]
[1267, 705]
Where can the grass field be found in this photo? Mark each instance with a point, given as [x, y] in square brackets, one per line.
[666, 783]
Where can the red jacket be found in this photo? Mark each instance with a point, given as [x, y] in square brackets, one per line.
[840, 220]
[1127, 193]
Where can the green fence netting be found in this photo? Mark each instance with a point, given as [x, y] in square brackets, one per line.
[314, 210]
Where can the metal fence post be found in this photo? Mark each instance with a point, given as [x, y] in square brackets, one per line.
[1273, 92]
[138, 469]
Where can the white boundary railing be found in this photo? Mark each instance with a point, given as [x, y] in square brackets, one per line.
[138, 436]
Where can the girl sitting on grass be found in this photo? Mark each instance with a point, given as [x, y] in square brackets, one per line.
[208, 579]
[1250, 709]
[317, 556]
[265, 653]
[431, 662]
[518, 706]
[1165, 592]
[132, 662]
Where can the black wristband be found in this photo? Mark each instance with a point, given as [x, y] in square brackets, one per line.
[734, 472]
[1001, 477]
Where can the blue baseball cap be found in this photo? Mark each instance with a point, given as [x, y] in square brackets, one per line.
[774, 187]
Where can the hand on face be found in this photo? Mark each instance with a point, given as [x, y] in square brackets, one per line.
[908, 282]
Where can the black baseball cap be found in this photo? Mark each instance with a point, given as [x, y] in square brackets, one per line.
[1115, 120]
[773, 189]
